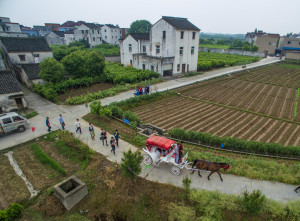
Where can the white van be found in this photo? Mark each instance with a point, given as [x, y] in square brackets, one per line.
[12, 122]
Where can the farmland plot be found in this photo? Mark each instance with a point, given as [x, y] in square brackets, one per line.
[260, 104]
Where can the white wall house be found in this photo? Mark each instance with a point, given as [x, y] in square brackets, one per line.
[171, 47]
[55, 38]
[10, 29]
[90, 32]
[111, 34]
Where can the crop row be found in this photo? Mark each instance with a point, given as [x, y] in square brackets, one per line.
[221, 121]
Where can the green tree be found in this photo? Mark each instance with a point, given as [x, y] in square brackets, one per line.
[254, 48]
[59, 51]
[95, 64]
[97, 108]
[75, 64]
[253, 202]
[140, 26]
[51, 70]
[131, 164]
[81, 42]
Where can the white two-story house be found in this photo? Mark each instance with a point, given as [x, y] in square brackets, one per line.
[111, 34]
[170, 48]
[90, 32]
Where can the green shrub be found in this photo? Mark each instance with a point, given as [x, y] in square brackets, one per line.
[45, 159]
[253, 202]
[97, 108]
[179, 212]
[3, 215]
[116, 111]
[31, 115]
[11, 213]
[292, 211]
[132, 117]
[131, 163]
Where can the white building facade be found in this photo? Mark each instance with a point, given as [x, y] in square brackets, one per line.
[89, 32]
[171, 48]
[111, 34]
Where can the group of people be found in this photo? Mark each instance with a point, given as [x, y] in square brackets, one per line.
[114, 141]
[140, 90]
[178, 152]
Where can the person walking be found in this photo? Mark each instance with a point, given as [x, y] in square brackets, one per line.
[61, 121]
[48, 124]
[176, 153]
[296, 190]
[180, 147]
[78, 127]
[104, 137]
[113, 145]
[116, 135]
[92, 132]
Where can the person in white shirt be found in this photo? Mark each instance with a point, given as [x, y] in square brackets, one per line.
[78, 127]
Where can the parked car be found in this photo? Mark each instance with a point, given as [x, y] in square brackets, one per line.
[12, 122]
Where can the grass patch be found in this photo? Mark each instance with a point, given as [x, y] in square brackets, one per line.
[45, 159]
[31, 115]
[214, 46]
[73, 149]
[192, 74]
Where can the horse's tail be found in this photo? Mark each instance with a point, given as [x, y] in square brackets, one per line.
[195, 161]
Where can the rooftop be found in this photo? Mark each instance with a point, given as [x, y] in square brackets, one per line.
[140, 36]
[180, 23]
[32, 70]
[25, 44]
[8, 82]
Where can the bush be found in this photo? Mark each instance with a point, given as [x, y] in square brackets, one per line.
[96, 108]
[235, 143]
[31, 115]
[131, 163]
[51, 70]
[11, 213]
[45, 159]
[253, 202]
[131, 117]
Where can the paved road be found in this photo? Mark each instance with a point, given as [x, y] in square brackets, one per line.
[231, 185]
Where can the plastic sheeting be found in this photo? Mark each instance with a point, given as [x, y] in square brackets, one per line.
[19, 172]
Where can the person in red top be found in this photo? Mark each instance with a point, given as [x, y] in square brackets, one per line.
[180, 147]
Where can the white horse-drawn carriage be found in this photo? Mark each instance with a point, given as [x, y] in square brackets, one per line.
[160, 149]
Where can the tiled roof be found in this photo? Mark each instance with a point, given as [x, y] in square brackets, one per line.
[111, 26]
[25, 44]
[32, 70]
[70, 24]
[91, 25]
[59, 33]
[8, 83]
[180, 23]
[141, 36]
[71, 31]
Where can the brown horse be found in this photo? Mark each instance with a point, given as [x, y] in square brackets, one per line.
[209, 166]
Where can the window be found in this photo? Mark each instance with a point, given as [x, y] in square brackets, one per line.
[181, 34]
[130, 62]
[178, 67]
[181, 51]
[193, 50]
[98, 32]
[144, 66]
[120, 31]
[82, 31]
[3, 28]
[7, 120]
[164, 35]
[94, 39]
[152, 68]
[289, 42]
[87, 39]
[104, 30]
[86, 31]
[17, 118]
[22, 57]
[194, 35]
[112, 37]
[129, 47]
[105, 37]
[36, 55]
[188, 66]
[144, 49]
[157, 49]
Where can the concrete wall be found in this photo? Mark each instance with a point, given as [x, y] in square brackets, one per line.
[92, 35]
[292, 55]
[13, 34]
[29, 58]
[114, 59]
[14, 27]
[232, 51]
[289, 42]
[69, 38]
[266, 43]
[8, 104]
[111, 35]
[127, 55]
[54, 39]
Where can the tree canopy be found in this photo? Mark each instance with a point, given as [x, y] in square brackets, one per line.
[140, 26]
[51, 70]
[81, 42]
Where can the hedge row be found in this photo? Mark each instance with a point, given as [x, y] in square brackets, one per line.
[235, 143]
[107, 93]
[121, 114]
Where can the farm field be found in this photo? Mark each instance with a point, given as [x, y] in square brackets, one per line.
[244, 105]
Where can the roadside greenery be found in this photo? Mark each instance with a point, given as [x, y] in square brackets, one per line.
[253, 202]
[131, 164]
[207, 60]
[31, 115]
[13, 212]
[109, 92]
[45, 159]
[235, 143]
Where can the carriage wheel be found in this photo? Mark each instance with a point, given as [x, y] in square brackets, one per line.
[147, 159]
[176, 170]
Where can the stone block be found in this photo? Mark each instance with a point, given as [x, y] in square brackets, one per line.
[70, 191]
